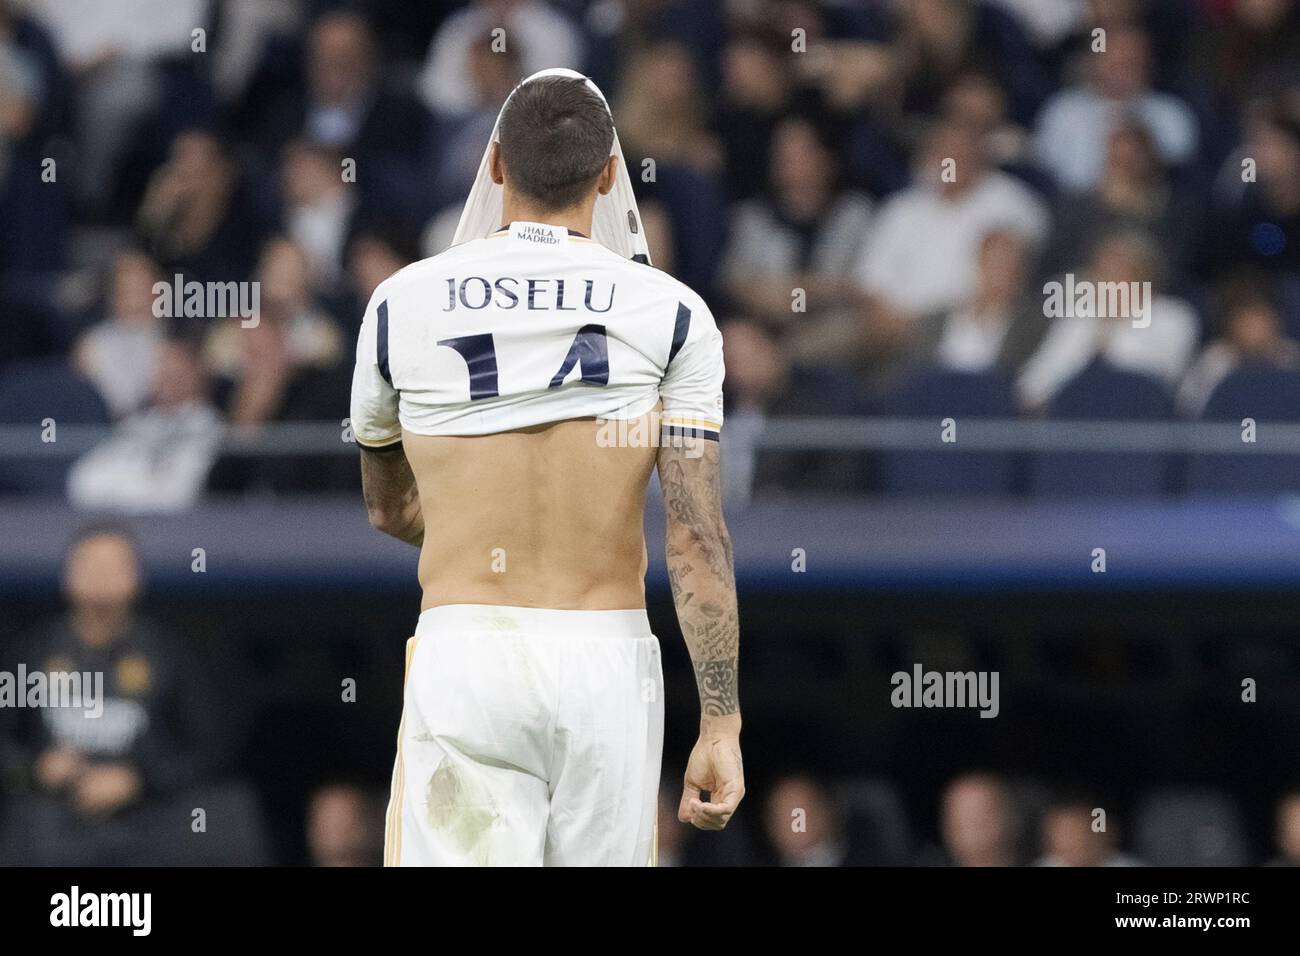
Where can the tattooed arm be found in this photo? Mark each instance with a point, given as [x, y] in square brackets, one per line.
[392, 499]
[701, 572]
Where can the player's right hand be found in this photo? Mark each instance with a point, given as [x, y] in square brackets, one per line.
[714, 768]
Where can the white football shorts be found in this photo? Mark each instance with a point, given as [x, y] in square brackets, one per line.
[529, 737]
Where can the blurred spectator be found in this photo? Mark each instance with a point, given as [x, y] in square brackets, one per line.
[999, 328]
[1134, 192]
[1257, 221]
[1111, 14]
[198, 216]
[805, 235]
[492, 77]
[318, 209]
[118, 354]
[543, 36]
[157, 459]
[1251, 46]
[856, 81]
[755, 91]
[762, 383]
[1076, 123]
[345, 827]
[374, 253]
[1252, 331]
[340, 78]
[672, 155]
[661, 110]
[1070, 837]
[939, 39]
[1287, 830]
[248, 31]
[616, 28]
[256, 365]
[1156, 337]
[117, 53]
[1047, 23]
[347, 107]
[21, 91]
[980, 823]
[33, 98]
[976, 99]
[923, 252]
[757, 383]
[293, 365]
[98, 783]
[804, 824]
[1189, 827]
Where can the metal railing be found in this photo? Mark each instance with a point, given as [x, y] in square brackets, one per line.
[848, 434]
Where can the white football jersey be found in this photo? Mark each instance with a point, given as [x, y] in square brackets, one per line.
[532, 325]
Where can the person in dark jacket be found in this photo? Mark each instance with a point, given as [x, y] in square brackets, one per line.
[100, 774]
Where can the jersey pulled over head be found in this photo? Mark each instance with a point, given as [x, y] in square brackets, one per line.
[527, 323]
[548, 147]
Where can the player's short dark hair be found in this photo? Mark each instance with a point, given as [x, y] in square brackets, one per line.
[555, 135]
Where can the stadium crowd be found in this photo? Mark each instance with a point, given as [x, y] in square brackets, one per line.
[873, 196]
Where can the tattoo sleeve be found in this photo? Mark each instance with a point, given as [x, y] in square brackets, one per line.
[701, 571]
[391, 496]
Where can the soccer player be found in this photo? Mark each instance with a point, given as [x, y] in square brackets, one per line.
[511, 398]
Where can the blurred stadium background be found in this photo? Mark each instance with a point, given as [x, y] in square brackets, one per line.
[796, 147]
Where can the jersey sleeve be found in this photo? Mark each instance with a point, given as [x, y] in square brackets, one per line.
[691, 389]
[374, 399]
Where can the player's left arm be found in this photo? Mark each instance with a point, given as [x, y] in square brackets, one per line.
[700, 565]
[387, 482]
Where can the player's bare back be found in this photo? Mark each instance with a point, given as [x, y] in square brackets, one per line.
[547, 516]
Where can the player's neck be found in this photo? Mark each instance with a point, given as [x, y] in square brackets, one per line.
[578, 219]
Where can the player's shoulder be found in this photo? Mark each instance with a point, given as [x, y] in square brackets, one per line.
[656, 283]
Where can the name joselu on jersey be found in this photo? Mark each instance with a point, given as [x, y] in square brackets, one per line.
[507, 292]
